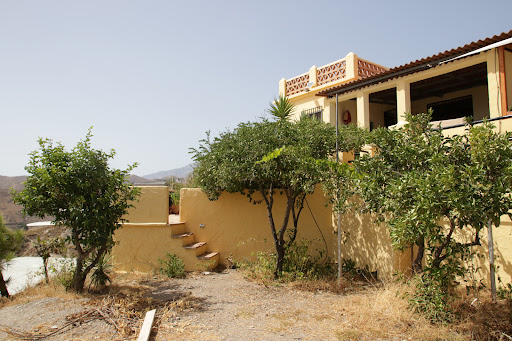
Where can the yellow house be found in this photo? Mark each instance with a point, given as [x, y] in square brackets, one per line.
[466, 81]
[470, 80]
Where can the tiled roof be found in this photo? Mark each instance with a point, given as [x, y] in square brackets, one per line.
[412, 67]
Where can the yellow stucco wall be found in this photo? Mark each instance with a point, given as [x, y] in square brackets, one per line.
[152, 206]
[369, 244]
[237, 228]
[502, 237]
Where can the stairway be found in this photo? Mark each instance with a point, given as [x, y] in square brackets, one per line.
[195, 254]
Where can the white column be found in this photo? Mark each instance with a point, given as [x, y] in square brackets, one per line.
[403, 99]
[312, 74]
[363, 109]
[493, 82]
[282, 87]
[351, 67]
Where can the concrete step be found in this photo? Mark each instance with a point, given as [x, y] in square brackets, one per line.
[199, 247]
[211, 259]
[186, 238]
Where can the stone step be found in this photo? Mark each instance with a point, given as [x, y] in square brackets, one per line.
[199, 247]
[208, 255]
[211, 259]
[187, 238]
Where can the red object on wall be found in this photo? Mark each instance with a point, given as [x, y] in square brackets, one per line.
[347, 118]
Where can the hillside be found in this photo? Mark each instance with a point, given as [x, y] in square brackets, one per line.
[13, 216]
[182, 172]
[11, 212]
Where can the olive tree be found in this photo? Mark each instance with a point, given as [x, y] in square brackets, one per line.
[10, 241]
[83, 193]
[267, 157]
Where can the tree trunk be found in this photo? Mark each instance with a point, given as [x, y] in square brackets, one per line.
[3, 287]
[279, 261]
[417, 265]
[45, 265]
[78, 277]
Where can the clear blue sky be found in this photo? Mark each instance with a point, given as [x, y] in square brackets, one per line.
[153, 76]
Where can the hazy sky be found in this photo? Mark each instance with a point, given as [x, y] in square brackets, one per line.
[153, 76]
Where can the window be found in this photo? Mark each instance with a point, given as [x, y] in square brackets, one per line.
[452, 108]
[314, 113]
[390, 117]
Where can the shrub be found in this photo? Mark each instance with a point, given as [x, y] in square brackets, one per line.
[100, 275]
[429, 299]
[298, 264]
[172, 266]
[63, 272]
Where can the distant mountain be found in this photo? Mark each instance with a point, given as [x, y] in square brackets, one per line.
[182, 172]
[13, 217]
[12, 213]
[135, 179]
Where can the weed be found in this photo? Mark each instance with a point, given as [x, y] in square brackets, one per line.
[430, 299]
[351, 270]
[172, 266]
[299, 264]
[63, 272]
[505, 293]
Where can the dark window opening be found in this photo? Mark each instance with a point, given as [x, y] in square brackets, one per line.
[390, 117]
[453, 108]
[314, 113]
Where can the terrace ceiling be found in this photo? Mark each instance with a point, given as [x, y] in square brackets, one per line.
[462, 79]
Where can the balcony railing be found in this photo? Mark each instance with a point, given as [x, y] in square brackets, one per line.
[331, 72]
[343, 70]
[297, 84]
[366, 68]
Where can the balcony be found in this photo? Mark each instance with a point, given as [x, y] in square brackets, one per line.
[344, 70]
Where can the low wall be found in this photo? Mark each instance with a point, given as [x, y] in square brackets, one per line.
[236, 228]
[145, 236]
[152, 206]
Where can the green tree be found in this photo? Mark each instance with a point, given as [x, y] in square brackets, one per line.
[10, 241]
[339, 179]
[429, 188]
[83, 193]
[45, 248]
[267, 157]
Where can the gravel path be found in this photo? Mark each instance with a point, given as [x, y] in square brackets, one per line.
[226, 307]
[236, 309]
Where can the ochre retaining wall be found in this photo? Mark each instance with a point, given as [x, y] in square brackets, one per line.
[145, 237]
[237, 229]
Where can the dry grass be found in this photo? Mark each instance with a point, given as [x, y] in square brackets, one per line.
[122, 305]
[350, 310]
[38, 291]
[382, 313]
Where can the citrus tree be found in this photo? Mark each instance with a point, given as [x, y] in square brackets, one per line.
[437, 192]
[80, 190]
[260, 159]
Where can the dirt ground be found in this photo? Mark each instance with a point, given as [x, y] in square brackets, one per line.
[222, 306]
